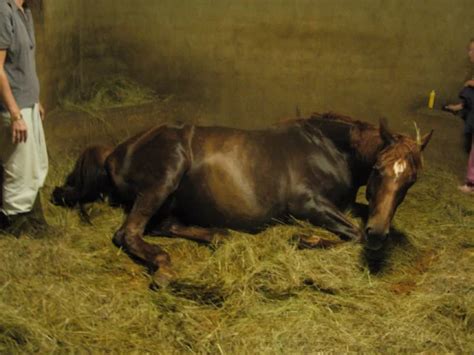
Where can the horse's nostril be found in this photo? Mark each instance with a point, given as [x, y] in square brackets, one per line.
[56, 195]
[368, 231]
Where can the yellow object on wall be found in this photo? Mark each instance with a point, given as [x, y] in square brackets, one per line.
[431, 100]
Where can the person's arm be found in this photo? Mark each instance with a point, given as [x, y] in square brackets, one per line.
[42, 112]
[469, 83]
[19, 129]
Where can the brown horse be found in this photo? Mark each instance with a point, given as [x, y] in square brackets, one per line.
[189, 181]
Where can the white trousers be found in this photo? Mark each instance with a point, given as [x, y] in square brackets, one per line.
[25, 165]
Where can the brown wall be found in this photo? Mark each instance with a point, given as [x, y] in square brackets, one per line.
[58, 33]
[251, 61]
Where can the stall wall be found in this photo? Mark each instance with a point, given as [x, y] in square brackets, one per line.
[58, 31]
[249, 62]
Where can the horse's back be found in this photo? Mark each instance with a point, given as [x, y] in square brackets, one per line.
[137, 163]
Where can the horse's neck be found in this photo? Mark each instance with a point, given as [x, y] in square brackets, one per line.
[367, 144]
[362, 144]
[337, 131]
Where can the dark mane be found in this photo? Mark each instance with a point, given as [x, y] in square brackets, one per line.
[351, 135]
[338, 118]
[361, 138]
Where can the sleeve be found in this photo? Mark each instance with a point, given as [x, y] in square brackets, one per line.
[6, 28]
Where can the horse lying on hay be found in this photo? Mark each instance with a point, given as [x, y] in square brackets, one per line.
[192, 181]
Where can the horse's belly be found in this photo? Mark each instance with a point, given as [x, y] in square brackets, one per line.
[219, 198]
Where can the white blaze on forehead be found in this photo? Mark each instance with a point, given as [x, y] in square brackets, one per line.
[399, 167]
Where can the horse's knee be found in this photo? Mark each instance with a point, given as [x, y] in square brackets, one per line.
[118, 237]
[162, 260]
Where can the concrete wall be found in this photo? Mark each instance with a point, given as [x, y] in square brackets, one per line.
[58, 31]
[251, 61]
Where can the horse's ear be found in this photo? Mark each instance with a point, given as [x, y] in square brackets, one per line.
[385, 133]
[425, 140]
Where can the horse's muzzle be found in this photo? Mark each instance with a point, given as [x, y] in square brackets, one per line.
[60, 197]
[374, 239]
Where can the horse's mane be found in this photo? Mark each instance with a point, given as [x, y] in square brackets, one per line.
[398, 151]
[336, 117]
[327, 117]
[363, 137]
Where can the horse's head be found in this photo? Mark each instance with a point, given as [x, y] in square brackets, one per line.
[392, 175]
[88, 180]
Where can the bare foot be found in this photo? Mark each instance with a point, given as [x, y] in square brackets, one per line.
[467, 189]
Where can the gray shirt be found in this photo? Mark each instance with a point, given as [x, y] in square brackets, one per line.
[17, 36]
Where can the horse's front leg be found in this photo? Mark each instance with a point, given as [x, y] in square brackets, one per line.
[325, 214]
[171, 227]
[130, 237]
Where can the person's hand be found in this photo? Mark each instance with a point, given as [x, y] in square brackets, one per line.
[469, 83]
[19, 131]
[42, 112]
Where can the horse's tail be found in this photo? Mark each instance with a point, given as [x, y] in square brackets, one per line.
[89, 180]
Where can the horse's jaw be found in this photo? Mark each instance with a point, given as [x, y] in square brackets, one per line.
[377, 229]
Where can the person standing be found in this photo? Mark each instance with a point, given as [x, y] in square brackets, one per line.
[23, 152]
[466, 110]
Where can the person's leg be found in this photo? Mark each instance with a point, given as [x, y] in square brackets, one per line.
[470, 165]
[468, 187]
[25, 165]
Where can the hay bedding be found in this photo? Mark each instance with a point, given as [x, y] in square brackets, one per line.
[252, 294]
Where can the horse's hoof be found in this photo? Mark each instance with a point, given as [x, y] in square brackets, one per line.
[218, 239]
[162, 278]
[360, 239]
[315, 242]
[311, 242]
[160, 281]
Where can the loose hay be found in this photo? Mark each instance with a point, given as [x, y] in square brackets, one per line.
[251, 294]
[110, 92]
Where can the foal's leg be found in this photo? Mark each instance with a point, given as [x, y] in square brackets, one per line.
[324, 214]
